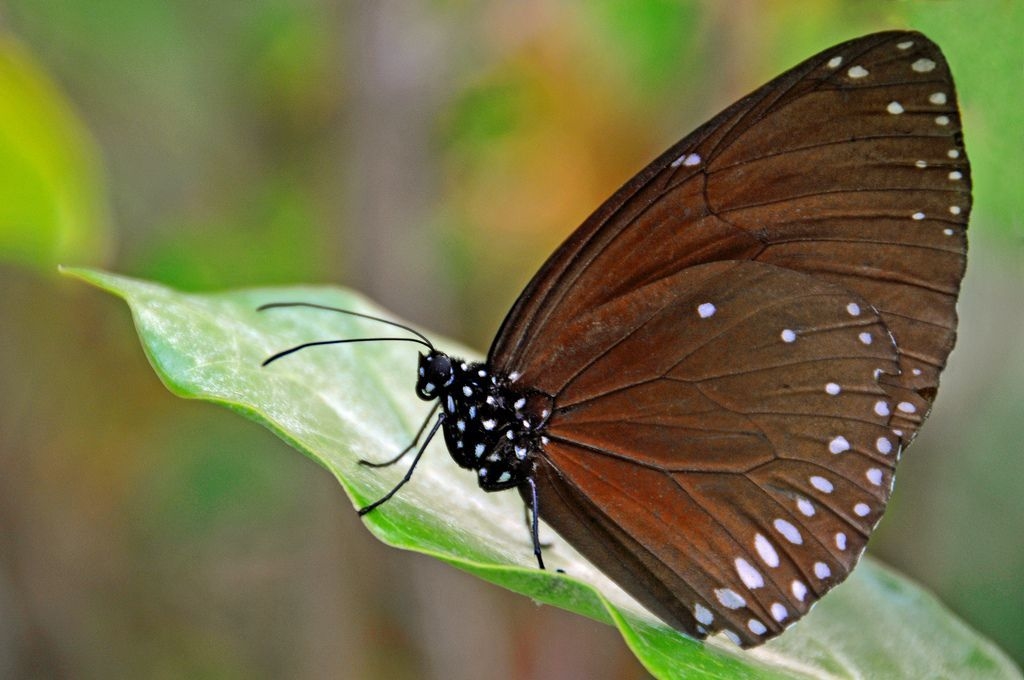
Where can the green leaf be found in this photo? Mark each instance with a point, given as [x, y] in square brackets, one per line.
[339, 404]
[52, 203]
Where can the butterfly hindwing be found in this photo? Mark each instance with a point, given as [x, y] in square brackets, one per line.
[682, 458]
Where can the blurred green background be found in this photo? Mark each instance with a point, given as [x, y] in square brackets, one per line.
[430, 154]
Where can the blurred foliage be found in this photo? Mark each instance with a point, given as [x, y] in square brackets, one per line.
[430, 154]
[52, 205]
[645, 46]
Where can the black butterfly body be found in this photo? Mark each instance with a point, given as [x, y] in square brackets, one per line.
[706, 388]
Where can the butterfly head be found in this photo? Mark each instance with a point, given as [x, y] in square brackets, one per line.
[435, 373]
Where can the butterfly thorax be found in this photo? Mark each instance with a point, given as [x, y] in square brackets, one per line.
[489, 426]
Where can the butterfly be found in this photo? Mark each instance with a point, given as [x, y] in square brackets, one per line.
[706, 388]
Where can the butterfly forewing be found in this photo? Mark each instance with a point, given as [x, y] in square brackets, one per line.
[740, 341]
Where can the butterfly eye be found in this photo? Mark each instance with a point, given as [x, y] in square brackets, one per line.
[435, 373]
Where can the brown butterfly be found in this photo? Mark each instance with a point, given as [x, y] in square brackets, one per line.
[706, 388]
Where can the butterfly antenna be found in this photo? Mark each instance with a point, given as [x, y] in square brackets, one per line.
[420, 338]
[317, 343]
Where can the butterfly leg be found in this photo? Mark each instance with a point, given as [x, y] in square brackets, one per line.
[408, 475]
[534, 526]
[529, 525]
[407, 449]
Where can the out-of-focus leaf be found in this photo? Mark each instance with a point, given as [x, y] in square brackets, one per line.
[337, 405]
[52, 204]
[649, 41]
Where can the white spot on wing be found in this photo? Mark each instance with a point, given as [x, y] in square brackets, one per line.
[788, 531]
[839, 444]
[883, 445]
[905, 45]
[822, 570]
[882, 408]
[853, 309]
[729, 598]
[756, 627]
[894, 108]
[942, 120]
[923, 65]
[805, 507]
[857, 72]
[833, 388]
[937, 98]
[703, 614]
[874, 476]
[750, 576]
[835, 62]
[918, 216]
[779, 612]
[799, 590]
[689, 160]
[861, 509]
[865, 338]
[766, 551]
[841, 540]
[821, 484]
[788, 336]
[706, 309]
[906, 407]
